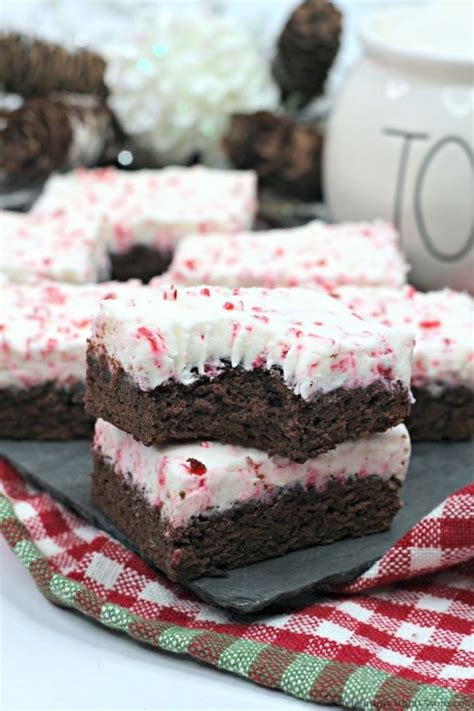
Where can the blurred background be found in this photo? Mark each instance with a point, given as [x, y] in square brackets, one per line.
[97, 23]
[352, 110]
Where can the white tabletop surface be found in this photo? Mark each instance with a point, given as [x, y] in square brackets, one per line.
[52, 658]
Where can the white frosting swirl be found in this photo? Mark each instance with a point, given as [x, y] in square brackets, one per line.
[180, 334]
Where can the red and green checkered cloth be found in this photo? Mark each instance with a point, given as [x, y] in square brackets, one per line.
[399, 637]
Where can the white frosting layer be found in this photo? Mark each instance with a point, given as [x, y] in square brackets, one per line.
[311, 256]
[443, 322]
[179, 334]
[60, 245]
[44, 329]
[156, 207]
[194, 479]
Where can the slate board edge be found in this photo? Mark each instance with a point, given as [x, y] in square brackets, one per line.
[285, 601]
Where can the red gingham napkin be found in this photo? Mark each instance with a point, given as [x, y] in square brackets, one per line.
[364, 645]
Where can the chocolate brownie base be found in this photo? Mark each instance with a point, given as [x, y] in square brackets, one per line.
[209, 545]
[247, 408]
[44, 412]
[139, 262]
[449, 415]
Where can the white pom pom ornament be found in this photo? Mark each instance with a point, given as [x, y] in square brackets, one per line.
[175, 82]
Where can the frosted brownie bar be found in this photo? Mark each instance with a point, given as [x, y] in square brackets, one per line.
[43, 337]
[288, 371]
[443, 362]
[200, 509]
[145, 213]
[58, 245]
[316, 255]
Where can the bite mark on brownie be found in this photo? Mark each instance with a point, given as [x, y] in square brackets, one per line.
[249, 408]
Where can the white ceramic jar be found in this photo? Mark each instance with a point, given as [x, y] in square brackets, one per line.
[400, 139]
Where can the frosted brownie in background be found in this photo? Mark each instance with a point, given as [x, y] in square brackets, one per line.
[43, 337]
[203, 508]
[145, 213]
[61, 245]
[289, 371]
[443, 361]
[316, 255]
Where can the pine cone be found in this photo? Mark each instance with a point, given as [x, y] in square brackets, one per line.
[47, 134]
[307, 48]
[286, 154]
[31, 67]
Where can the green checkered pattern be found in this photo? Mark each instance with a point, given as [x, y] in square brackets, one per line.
[304, 676]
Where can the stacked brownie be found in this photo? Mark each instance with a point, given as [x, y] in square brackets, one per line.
[43, 338]
[143, 214]
[443, 362]
[237, 425]
[313, 256]
[200, 509]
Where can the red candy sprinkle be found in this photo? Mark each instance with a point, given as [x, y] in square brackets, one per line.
[385, 372]
[190, 264]
[176, 556]
[296, 332]
[258, 362]
[84, 323]
[205, 291]
[196, 467]
[152, 338]
[51, 345]
[228, 306]
[430, 324]
[54, 295]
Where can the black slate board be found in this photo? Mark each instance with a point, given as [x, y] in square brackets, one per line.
[436, 470]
